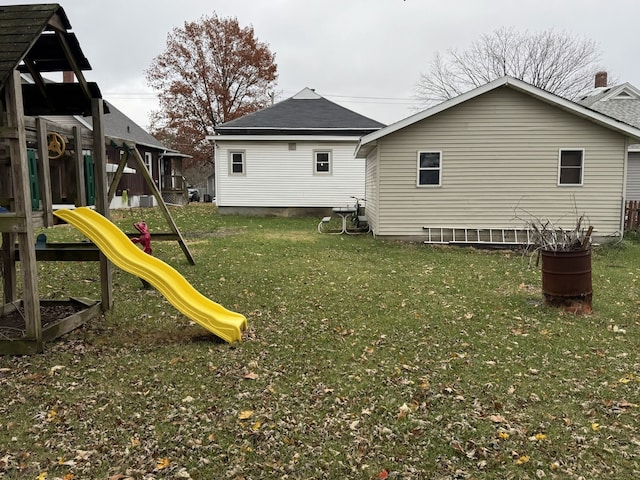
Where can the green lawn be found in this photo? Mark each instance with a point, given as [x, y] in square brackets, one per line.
[364, 359]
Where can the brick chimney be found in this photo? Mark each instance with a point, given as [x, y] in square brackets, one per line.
[68, 77]
[601, 79]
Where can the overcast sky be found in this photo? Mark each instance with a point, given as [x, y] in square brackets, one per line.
[366, 55]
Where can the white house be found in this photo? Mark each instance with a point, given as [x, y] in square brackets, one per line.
[294, 157]
[505, 150]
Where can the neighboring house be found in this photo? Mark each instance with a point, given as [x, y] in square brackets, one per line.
[164, 164]
[621, 102]
[493, 158]
[294, 157]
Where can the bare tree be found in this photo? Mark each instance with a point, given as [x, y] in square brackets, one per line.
[211, 72]
[556, 62]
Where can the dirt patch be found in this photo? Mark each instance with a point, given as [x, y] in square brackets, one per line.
[12, 324]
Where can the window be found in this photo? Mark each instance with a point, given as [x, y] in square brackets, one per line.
[429, 167]
[148, 161]
[236, 163]
[322, 162]
[570, 167]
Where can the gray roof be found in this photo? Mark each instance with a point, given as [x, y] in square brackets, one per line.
[305, 112]
[118, 125]
[621, 102]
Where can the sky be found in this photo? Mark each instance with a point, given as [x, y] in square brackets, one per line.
[366, 55]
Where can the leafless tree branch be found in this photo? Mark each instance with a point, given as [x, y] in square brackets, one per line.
[554, 61]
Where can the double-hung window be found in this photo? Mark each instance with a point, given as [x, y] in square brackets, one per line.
[148, 162]
[237, 165]
[429, 168]
[322, 162]
[571, 166]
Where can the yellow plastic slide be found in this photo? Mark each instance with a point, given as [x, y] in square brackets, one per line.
[118, 248]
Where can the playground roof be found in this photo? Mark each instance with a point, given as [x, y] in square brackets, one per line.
[35, 39]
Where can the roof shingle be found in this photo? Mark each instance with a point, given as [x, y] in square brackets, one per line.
[305, 111]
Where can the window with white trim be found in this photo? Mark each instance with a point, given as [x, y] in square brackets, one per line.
[429, 169]
[237, 162]
[570, 166]
[148, 162]
[322, 162]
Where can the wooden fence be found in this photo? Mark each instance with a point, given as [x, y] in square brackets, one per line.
[632, 215]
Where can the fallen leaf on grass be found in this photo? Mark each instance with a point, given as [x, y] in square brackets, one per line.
[383, 475]
[162, 463]
[250, 376]
[244, 414]
[55, 368]
[497, 418]
[522, 459]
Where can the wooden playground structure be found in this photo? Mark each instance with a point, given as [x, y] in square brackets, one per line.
[46, 165]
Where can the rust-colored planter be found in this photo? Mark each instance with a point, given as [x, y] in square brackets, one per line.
[566, 277]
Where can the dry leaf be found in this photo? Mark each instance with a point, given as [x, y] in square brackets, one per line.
[55, 368]
[244, 414]
[250, 376]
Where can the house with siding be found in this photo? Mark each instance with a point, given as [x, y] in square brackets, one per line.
[163, 164]
[493, 158]
[621, 102]
[295, 157]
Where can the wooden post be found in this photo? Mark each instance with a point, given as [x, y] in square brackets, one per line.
[118, 175]
[81, 188]
[161, 204]
[22, 198]
[100, 160]
[9, 283]
[44, 172]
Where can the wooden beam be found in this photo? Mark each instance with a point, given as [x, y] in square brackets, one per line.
[9, 283]
[118, 175]
[81, 187]
[102, 207]
[44, 172]
[67, 324]
[37, 79]
[22, 197]
[161, 204]
[74, 65]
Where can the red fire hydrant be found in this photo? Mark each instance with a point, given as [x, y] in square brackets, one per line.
[145, 237]
[145, 241]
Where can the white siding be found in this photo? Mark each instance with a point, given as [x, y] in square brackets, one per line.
[279, 177]
[633, 176]
[499, 152]
[371, 189]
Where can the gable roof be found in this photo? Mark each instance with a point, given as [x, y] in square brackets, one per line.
[620, 101]
[304, 113]
[367, 142]
[34, 39]
[118, 125]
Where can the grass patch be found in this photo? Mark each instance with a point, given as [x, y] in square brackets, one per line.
[363, 359]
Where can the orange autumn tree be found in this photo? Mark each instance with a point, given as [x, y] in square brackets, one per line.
[211, 72]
